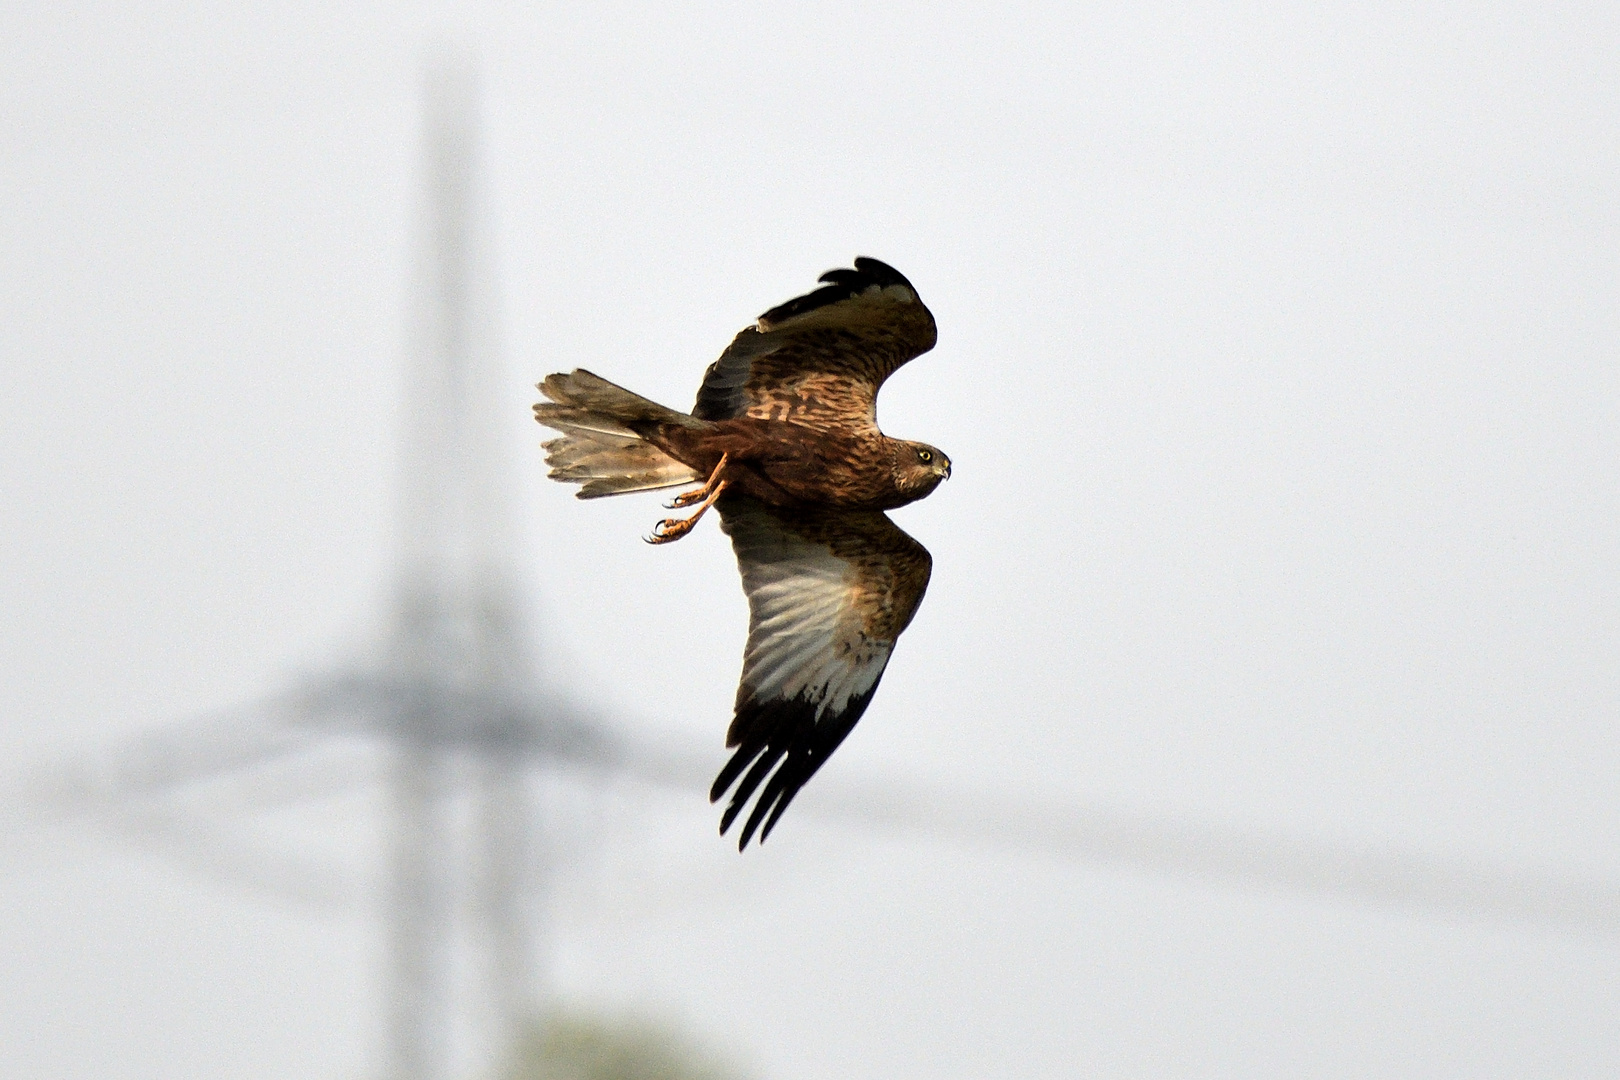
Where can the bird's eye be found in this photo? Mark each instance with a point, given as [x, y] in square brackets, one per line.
[925, 456]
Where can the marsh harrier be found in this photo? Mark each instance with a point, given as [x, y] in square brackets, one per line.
[784, 443]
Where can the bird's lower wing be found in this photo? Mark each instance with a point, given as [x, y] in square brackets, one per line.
[828, 593]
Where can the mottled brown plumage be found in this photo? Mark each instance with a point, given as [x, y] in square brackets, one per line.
[785, 445]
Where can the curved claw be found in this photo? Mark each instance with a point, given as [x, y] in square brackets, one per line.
[689, 498]
[667, 530]
[675, 528]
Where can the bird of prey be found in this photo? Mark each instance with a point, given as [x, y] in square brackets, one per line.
[784, 443]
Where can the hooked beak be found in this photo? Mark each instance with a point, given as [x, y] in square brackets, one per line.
[947, 469]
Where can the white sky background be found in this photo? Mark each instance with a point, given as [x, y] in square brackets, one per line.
[1277, 364]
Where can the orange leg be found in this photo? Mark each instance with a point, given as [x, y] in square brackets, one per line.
[687, 498]
[674, 528]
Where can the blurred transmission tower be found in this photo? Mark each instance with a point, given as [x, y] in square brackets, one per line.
[450, 699]
[456, 674]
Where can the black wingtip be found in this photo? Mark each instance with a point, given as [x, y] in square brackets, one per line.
[881, 272]
[733, 769]
[842, 284]
[768, 757]
[789, 738]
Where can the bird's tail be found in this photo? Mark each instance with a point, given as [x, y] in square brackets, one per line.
[603, 445]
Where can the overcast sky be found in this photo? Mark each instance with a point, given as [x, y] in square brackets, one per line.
[1277, 366]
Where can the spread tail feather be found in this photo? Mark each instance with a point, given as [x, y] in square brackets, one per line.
[602, 446]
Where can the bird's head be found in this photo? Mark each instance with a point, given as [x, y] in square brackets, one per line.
[918, 468]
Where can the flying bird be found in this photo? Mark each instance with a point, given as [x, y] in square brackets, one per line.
[784, 444]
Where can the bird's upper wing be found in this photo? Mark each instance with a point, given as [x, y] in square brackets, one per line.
[828, 593]
[818, 360]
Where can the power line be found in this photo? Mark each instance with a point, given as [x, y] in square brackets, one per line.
[1095, 835]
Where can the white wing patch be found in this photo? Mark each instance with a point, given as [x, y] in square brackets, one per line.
[804, 634]
[827, 595]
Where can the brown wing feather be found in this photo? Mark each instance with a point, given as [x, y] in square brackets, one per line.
[828, 594]
[820, 359]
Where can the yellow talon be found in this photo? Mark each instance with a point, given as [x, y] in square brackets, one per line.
[674, 528]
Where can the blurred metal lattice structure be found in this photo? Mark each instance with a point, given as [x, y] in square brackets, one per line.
[451, 699]
[456, 679]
